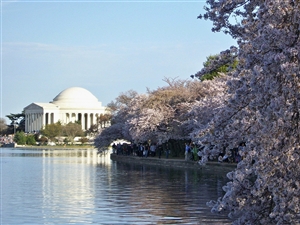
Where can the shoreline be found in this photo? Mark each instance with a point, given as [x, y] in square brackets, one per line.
[176, 163]
[49, 147]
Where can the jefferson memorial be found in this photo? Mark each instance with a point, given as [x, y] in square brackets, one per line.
[72, 104]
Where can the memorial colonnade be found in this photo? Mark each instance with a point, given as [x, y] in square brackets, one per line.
[71, 105]
[35, 121]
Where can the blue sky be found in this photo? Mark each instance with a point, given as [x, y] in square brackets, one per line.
[106, 47]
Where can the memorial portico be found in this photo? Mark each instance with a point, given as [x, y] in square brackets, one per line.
[71, 105]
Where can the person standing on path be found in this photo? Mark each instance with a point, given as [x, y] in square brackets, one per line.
[167, 151]
[194, 151]
[187, 151]
[160, 149]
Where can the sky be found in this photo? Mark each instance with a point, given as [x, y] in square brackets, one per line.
[106, 47]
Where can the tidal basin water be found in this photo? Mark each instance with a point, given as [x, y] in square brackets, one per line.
[81, 187]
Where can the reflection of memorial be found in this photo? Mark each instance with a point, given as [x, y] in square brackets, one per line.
[89, 156]
[72, 170]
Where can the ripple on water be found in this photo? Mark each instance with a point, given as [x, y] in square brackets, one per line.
[57, 188]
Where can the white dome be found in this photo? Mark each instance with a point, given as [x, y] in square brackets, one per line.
[75, 97]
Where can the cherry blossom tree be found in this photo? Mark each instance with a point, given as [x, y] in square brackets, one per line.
[118, 129]
[199, 114]
[156, 117]
[262, 111]
[164, 114]
[107, 136]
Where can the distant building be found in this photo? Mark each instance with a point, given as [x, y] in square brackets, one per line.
[70, 105]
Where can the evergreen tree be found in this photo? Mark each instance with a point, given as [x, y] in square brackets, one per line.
[212, 69]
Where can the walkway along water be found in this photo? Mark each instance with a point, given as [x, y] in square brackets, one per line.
[176, 163]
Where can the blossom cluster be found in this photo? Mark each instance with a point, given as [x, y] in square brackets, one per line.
[263, 111]
[175, 111]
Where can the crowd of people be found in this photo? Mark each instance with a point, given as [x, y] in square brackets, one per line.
[192, 152]
[140, 150]
[153, 149]
[232, 155]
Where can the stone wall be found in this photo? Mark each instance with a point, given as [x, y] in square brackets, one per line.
[178, 163]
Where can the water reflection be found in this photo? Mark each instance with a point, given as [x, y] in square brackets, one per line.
[81, 155]
[74, 178]
[81, 187]
[167, 195]
[75, 156]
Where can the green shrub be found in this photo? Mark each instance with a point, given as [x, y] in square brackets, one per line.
[20, 138]
[30, 140]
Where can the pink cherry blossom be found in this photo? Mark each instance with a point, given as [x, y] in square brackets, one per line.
[263, 110]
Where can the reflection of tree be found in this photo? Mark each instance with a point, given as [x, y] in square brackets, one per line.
[166, 192]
